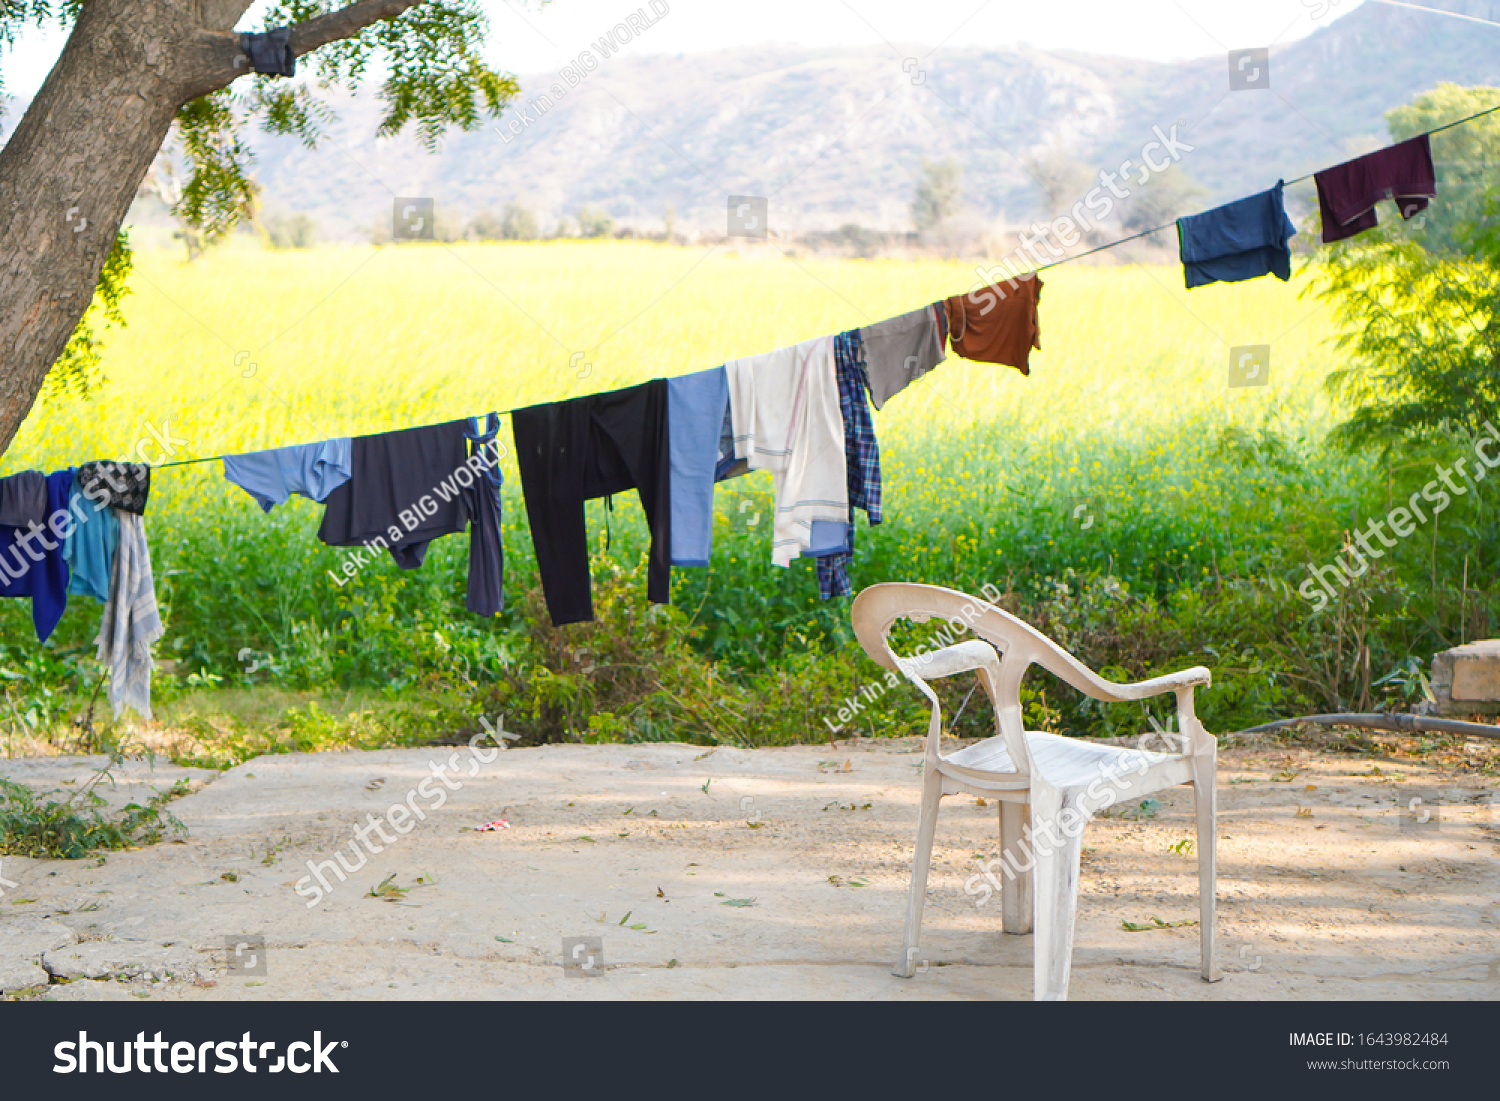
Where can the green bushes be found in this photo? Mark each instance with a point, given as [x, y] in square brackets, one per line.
[1192, 562]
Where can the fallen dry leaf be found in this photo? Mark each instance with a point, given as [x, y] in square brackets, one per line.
[1155, 923]
[388, 891]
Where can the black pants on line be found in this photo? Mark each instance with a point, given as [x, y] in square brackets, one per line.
[570, 452]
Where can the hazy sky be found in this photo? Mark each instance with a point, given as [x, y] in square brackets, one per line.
[527, 37]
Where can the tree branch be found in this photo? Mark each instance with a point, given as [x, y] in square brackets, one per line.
[309, 36]
[214, 59]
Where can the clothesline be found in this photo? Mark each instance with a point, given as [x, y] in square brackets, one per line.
[218, 458]
[1289, 183]
[1043, 267]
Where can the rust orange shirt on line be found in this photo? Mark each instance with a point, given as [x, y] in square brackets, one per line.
[997, 324]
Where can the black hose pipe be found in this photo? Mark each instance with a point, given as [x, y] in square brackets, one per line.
[1406, 724]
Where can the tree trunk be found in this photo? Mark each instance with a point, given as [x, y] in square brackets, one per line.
[74, 163]
[67, 177]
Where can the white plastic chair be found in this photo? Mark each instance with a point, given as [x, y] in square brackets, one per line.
[1063, 781]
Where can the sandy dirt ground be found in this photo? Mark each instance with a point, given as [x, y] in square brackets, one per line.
[735, 874]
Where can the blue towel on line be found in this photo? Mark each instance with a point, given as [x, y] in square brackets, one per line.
[90, 546]
[696, 406]
[1241, 240]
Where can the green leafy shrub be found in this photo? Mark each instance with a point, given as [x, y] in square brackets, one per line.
[33, 825]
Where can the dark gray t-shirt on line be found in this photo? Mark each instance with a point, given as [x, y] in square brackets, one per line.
[899, 351]
[23, 498]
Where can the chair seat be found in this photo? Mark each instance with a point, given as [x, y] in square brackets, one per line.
[1065, 762]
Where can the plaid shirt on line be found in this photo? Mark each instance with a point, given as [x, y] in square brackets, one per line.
[861, 458]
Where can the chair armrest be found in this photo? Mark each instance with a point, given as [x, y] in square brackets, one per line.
[1196, 677]
[961, 657]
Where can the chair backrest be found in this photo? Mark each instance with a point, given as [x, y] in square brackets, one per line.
[1000, 657]
[1019, 645]
[879, 606]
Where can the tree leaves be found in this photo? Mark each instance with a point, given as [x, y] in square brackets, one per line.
[220, 192]
[1418, 301]
[76, 371]
[435, 78]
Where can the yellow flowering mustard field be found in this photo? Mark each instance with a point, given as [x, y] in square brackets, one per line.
[253, 348]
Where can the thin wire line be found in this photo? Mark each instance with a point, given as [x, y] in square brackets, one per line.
[1288, 183]
[1044, 267]
[1460, 122]
[216, 458]
[1101, 248]
[1439, 11]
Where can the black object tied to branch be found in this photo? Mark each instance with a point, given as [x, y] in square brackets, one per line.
[270, 53]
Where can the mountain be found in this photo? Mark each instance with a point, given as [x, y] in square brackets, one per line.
[837, 136]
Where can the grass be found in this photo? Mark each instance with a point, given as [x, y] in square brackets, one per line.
[1123, 496]
[34, 825]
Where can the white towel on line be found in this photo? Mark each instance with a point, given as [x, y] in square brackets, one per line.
[784, 406]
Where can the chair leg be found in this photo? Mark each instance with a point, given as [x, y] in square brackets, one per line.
[932, 793]
[1017, 892]
[1205, 802]
[1057, 850]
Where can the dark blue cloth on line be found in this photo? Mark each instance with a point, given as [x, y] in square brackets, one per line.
[270, 53]
[828, 537]
[727, 465]
[861, 460]
[403, 491]
[1241, 240]
[23, 498]
[485, 594]
[32, 562]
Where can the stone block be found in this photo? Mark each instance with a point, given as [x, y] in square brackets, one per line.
[1466, 679]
